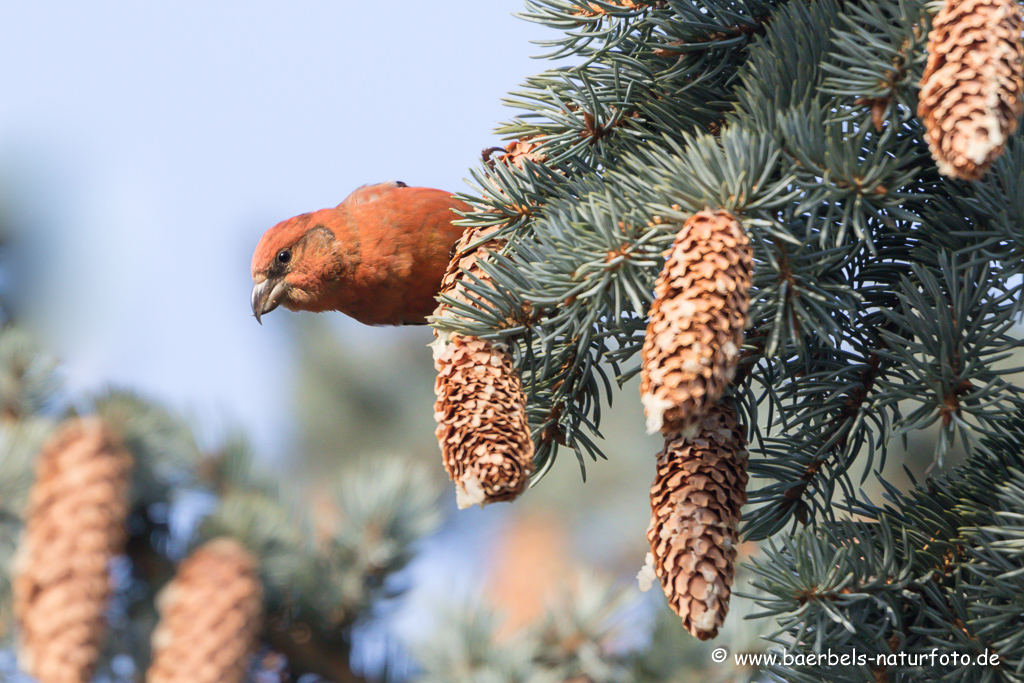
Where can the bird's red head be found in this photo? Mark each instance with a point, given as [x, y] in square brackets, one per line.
[295, 263]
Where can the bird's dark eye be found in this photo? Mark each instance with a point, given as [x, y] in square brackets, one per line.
[284, 256]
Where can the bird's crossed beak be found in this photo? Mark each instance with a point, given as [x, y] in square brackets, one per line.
[266, 296]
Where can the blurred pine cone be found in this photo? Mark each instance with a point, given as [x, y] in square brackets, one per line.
[209, 617]
[76, 524]
[973, 84]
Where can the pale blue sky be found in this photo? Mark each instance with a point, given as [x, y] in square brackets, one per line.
[148, 145]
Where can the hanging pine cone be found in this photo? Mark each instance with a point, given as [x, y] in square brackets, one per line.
[209, 617]
[696, 322]
[481, 421]
[76, 524]
[480, 409]
[973, 84]
[695, 509]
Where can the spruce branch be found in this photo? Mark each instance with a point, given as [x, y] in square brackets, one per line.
[163, 445]
[951, 335]
[591, 27]
[937, 568]
[574, 641]
[783, 67]
[882, 298]
[877, 60]
[325, 561]
[27, 375]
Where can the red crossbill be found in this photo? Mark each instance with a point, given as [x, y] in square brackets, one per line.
[378, 257]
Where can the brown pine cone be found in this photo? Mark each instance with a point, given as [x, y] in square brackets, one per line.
[209, 617]
[76, 524]
[696, 322]
[481, 421]
[973, 84]
[695, 510]
[480, 410]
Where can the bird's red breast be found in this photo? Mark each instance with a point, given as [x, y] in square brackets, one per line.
[378, 257]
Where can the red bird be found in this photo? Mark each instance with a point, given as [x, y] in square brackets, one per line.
[378, 257]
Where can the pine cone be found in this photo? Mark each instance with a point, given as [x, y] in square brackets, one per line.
[209, 617]
[76, 524]
[467, 260]
[481, 421]
[695, 509]
[973, 84]
[696, 322]
[515, 152]
[480, 408]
